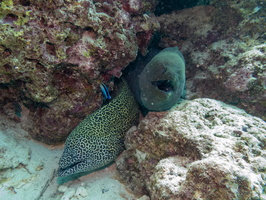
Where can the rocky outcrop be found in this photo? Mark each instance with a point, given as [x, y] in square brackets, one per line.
[55, 54]
[203, 149]
[224, 46]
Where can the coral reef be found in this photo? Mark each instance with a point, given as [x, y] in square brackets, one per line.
[203, 149]
[55, 54]
[224, 47]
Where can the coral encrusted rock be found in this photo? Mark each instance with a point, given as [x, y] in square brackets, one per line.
[224, 47]
[203, 149]
[55, 54]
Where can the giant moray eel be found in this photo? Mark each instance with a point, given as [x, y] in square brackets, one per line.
[158, 79]
[157, 82]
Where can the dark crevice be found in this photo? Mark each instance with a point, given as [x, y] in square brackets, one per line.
[25, 2]
[167, 6]
[10, 19]
[51, 49]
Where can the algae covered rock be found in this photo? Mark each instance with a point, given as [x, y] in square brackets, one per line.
[55, 54]
[203, 149]
[224, 46]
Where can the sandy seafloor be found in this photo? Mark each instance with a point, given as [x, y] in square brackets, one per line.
[28, 172]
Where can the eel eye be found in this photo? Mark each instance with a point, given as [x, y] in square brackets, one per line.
[163, 85]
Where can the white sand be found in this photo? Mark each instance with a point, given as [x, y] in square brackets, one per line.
[28, 172]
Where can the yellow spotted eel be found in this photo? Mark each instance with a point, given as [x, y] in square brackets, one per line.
[99, 138]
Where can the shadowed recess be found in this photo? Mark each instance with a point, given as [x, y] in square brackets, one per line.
[167, 6]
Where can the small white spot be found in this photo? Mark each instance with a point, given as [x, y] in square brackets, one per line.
[256, 9]
[62, 188]
[81, 192]
[68, 194]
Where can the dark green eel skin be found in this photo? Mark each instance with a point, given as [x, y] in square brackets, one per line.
[99, 138]
[157, 82]
[158, 79]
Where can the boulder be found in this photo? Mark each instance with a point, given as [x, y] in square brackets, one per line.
[203, 149]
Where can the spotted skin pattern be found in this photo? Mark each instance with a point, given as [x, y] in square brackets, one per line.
[99, 138]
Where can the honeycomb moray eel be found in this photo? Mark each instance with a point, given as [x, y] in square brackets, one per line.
[156, 81]
[99, 138]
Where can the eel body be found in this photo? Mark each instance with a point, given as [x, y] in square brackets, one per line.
[156, 83]
[99, 138]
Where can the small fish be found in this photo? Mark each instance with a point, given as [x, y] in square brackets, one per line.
[105, 91]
